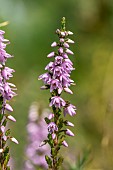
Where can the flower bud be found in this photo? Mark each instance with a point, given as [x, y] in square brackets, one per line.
[66, 45]
[14, 140]
[61, 40]
[67, 123]
[2, 128]
[11, 118]
[69, 133]
[51, 55]
[70, 33]
[1, 150]
[69, 51]
[63, 34]
[51, 115]
[68, 90]
[65, 143]
[54, 44]
[9, 108]
[70, 41]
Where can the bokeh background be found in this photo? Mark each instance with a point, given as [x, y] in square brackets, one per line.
[31, 31]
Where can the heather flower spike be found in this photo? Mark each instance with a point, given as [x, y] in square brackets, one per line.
[57, 80]
[37, 132]
[6, 94]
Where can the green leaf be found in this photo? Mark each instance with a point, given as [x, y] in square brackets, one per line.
[50, 140]
[60, 161]
[6, 151]
[7, 133]
[53, 151]
[8, 168]
[48, 160]
[6, 160]
[1, 115]
[47, 120]
[60, 125]
[4, 122]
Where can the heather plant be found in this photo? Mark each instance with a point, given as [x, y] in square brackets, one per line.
[37, 132]
[6, 94]
[57, 79]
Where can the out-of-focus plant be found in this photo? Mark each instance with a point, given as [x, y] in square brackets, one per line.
[37, 132]
[4, 23]
[6, 94]
[57, 79]
[82, 160]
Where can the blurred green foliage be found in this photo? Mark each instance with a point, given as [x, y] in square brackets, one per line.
[31, 31]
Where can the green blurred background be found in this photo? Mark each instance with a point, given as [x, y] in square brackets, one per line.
[31, 31]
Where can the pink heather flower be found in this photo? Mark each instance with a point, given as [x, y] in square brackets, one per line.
[64, 143]
[57, 71]
[46, 77]
[64, 55]
[58, 60]
[52, 54]
[50, 67]
[7, 73]
[57, 101]
[52, 127]
[64, 78]
[69, 132]
[70, 109]
[67, 66]
[54, 84]
[8, 93]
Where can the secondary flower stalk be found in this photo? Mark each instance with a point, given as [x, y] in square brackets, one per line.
[6, 94]
[57, 79]
[37, 132]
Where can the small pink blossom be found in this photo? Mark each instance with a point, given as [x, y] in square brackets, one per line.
[57, 102]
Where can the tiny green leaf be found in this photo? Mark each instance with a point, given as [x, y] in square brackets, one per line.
[49, 161]
[7, 133]
[47, 120]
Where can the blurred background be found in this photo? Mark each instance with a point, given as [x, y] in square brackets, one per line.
[31, 31]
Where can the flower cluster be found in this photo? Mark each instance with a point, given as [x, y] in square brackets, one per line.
[37, 132]
[57, 79]
[6, 94]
